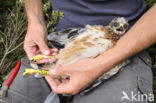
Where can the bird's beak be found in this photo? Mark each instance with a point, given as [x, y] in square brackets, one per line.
[121, 25]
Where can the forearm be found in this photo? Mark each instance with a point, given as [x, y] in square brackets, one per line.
[138, 38]
[34, 11]
[36, 36]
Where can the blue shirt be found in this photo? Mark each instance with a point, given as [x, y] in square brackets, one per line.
[78, 13]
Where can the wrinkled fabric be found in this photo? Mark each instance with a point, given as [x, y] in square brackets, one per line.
[78, 13]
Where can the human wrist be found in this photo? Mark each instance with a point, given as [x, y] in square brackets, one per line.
[34, 19]
[35, 23]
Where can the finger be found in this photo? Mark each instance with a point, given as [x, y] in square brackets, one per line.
[43, 47]
[30, 51]
[57, 71]
[59, 87]
[64, 80]
[63, 88]
[51, 82]
[57, 81]
[54, 83]
[54, 54]
[46, 61]
[67, 87]
[54, 51]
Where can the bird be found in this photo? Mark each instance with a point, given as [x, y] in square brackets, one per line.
[88, 42]
[92, 41]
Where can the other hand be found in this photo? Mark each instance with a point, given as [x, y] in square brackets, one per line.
[36, 42]
[81, 73]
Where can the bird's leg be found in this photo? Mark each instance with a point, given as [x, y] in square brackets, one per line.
[44, 73]
[39, 57]
[33, 71]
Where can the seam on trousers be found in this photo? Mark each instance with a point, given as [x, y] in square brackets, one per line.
[46, 97]
[140, 89]
[148, 64]
[30, 98]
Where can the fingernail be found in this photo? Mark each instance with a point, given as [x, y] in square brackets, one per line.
[46, 52]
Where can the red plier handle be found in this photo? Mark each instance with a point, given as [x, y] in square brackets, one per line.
[10, 79]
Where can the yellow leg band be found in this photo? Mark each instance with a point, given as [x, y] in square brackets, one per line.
[33, 71]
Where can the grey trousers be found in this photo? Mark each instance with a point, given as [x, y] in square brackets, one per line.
[131, 85]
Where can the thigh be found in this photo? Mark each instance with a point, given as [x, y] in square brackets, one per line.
[27, 89]
[128, 86]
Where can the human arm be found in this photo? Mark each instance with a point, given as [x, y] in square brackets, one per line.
[84, 72]
[36, 36]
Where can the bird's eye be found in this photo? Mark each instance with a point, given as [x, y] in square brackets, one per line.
[116, 24]
[125, 26]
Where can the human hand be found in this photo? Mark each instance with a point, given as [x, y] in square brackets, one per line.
[35, 42]
[81, 75]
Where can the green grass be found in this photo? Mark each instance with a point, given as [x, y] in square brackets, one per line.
[149, 3]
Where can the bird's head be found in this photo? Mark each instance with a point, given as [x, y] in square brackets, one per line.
[119, 25]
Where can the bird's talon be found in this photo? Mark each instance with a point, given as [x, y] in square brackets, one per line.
[30, 72]
[39, 57]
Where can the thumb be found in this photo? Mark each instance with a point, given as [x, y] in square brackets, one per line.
[43, 47]
[58, 71]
